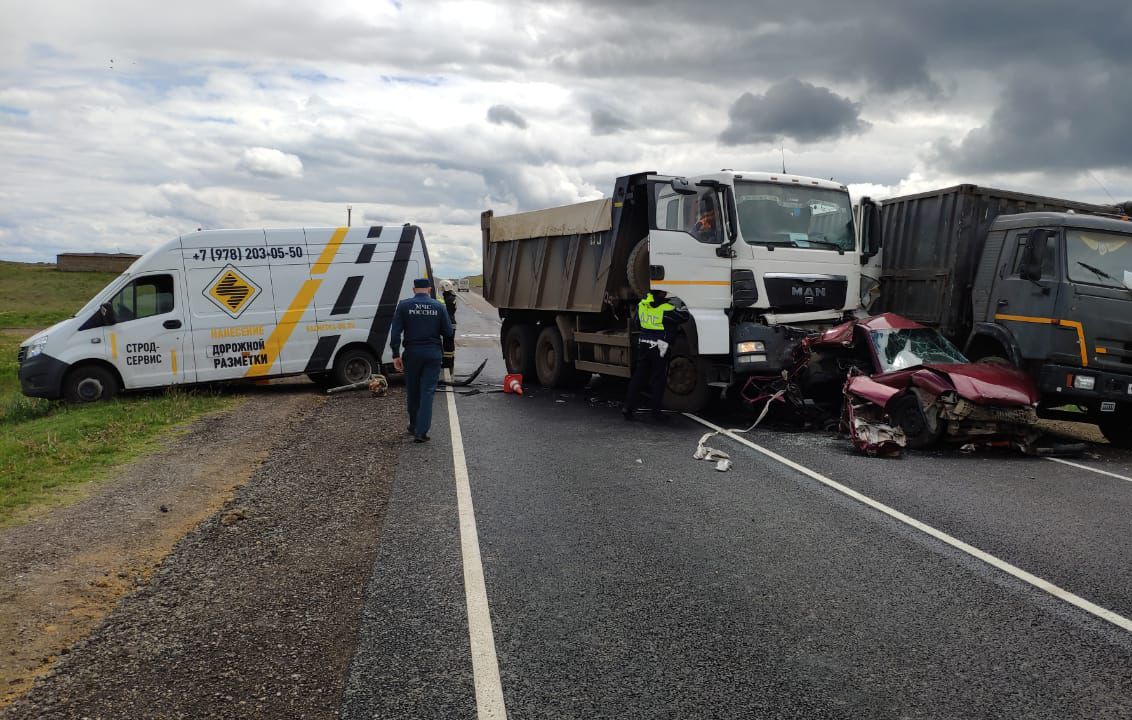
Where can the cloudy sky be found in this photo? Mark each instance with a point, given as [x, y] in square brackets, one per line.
[125, 123]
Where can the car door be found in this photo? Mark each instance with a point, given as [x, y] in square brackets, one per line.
[147, 336]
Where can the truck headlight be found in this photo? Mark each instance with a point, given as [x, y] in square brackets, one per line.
[1084, 382]
[36, 348]
[750, 347]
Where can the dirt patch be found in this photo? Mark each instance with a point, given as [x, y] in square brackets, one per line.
[255, 612]
[62, 572]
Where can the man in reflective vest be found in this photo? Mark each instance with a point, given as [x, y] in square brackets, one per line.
[659, 316]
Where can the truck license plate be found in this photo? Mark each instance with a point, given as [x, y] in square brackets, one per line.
[1108, 407]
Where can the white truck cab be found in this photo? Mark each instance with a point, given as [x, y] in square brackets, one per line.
[224, 305]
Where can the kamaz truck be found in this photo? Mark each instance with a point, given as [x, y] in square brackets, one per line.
[1041, 283]
[754, 255]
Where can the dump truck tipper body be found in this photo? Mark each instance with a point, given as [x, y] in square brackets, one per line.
[1039, 282]
[747, 252]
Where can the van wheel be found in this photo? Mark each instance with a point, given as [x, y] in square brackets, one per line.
[90, 383]
[354, 365]
[687, 388]
[637, 268]
[519, 349]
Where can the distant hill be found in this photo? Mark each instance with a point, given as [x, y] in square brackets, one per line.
[37, 295]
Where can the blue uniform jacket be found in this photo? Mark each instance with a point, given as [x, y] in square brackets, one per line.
[422, 321]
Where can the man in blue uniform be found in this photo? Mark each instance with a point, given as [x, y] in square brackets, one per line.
[659, 316]
[423, 321]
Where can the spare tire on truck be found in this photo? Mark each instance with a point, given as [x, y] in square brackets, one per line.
[637, 268]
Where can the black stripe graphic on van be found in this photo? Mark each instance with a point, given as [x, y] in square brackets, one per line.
[366, 254]
[345, 299]
[390, 294]
[374, 232]
[323, 351]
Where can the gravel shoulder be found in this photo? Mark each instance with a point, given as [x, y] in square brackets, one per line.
[254, 612]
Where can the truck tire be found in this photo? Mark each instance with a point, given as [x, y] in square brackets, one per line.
[519, 349]
[90, 383]
[906, 412]
[637, 269]
[551, 366]
[353, 365]
[687, 389]
[1117, 429]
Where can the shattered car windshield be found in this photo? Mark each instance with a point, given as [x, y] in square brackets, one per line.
[794, 216]
[899, 349]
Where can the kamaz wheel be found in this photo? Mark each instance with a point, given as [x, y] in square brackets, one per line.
[1117, 427]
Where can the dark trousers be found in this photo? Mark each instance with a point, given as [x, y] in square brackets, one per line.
[652, 369]
[422, 372]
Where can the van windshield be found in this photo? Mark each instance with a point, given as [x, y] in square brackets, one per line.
[794, 216]
[1099, 258]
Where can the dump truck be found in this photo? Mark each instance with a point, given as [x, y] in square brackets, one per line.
[1041, 283]
[778, 253]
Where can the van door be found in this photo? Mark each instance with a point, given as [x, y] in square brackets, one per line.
[147, 337]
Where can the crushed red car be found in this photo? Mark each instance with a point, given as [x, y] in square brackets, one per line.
[908, 386]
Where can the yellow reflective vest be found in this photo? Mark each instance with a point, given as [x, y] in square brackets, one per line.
[652, 316]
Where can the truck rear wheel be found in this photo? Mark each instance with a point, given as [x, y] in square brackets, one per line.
[354, 365]
[519, 349]
[551, 365]
[1117, 428]
[637, 268]
[90, 383]
[687, 388]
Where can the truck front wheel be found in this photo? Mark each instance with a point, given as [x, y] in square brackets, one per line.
[687, 388]
[1117, 427]
[90, 383]
[519, 349]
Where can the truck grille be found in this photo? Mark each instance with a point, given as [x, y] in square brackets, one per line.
[20, 355]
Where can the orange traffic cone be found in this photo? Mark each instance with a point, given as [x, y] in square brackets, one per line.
[513, 384]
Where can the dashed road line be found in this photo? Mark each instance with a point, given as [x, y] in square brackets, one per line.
[1044, 585]
[1091, 469]
[485, 666]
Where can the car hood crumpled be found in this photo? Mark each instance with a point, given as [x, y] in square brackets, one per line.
[989, 383]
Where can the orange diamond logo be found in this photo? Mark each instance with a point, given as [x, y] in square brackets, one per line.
[232, 291]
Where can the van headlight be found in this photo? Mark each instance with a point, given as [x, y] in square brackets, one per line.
[36, 348]
[750, 347]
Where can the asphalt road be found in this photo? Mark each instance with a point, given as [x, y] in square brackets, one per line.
[624, 578]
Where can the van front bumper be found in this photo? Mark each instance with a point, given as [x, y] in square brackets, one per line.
[42, 377]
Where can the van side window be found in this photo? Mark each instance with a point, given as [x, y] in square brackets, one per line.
[144, 297]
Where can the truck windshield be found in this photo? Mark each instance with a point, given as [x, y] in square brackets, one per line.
[794, 216]
[1099, 258]
[899, 349]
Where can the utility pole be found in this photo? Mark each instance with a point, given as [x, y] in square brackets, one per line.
[349, 210]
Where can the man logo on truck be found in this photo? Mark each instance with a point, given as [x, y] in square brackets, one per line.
[231, 291]
[807, 292]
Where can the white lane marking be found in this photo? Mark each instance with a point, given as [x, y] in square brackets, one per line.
[1091, 469]
[485, 666]
[1059, 593]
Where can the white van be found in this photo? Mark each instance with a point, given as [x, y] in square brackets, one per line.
[232, 304]
[463, 285]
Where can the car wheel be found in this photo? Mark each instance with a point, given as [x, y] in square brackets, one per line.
[90, 383]
[919, 430]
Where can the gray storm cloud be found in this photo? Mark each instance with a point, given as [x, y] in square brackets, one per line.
[791, 109]
[503, 115]
[607, 122]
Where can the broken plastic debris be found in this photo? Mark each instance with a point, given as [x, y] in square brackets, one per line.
[723, 465]
[968, 448]
[638, 461]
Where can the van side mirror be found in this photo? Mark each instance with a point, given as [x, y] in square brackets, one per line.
[1032, 255]
[107, 313]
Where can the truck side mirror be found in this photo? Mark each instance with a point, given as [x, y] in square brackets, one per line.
[1032, 255]
[732, 216]
[870, 229]
[683, 187]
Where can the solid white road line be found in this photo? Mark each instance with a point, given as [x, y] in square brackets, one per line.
[485, 667]
[1059, 593]
[1091, 469]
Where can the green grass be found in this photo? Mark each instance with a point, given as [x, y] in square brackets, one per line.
[35, 296]
[49, 449]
